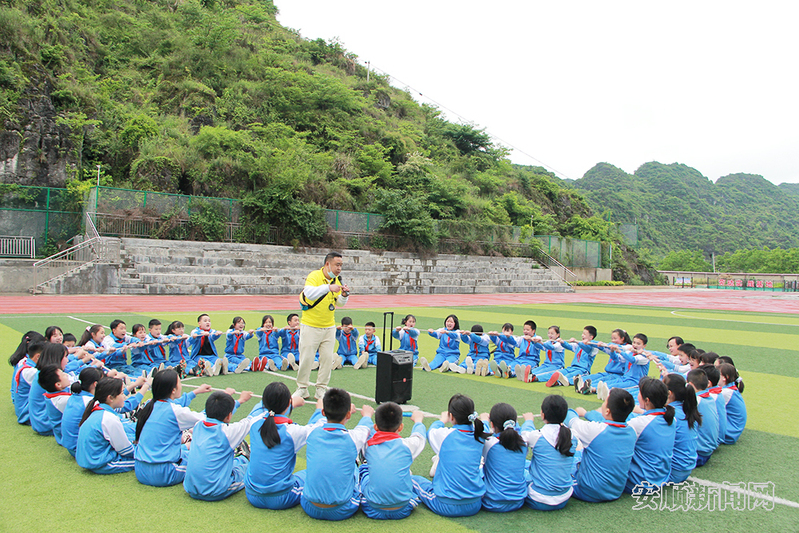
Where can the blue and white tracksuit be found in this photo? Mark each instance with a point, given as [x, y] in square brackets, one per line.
[506, 349]
[736, 413]
[654, 447]
[449, 350]
[478, 348]
[347, 346]
[615, 367]
[290, 343]
[204, 341]
[721, 409]
[118, 358]
[583, 360]
[37, 409]
[371, 347]
[409, 340]
[554, 359]
[179, 352]
[504, 475]
[683, 458]
[234, 346]
[636, 366]
[550, 472]
[268, 345]
[56, 402]
[103, 446]
[21, 387]
[154, 355]
[707, 435]
[529, 353]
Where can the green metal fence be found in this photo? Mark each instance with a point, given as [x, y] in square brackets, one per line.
[50, 215]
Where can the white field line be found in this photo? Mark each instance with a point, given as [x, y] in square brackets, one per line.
[746, 492]
[675, 313]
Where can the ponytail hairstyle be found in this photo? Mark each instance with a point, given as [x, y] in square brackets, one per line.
[625, 337]
[236, 320]
[404, 320]
[88, 333]
[461, 408]
[268, 317]
[164, 383]
[554, 408]
[88, 377]
[170, 329]
[457, 324]
[106, 387]
[276, 399]
[22, 350]
[503, 418]
[50, 331]
[53, 354]
[725, 369]
[136, 328]
[684, 393]
[657, 393]
[556, 328]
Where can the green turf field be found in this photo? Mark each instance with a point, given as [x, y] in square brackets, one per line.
[40, 479]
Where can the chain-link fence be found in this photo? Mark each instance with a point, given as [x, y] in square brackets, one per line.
[572, 252]
[630, 233]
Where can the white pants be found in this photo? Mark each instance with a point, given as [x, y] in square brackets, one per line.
[311, 340]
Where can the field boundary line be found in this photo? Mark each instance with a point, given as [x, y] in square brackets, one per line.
[746, 492]
[675, 313]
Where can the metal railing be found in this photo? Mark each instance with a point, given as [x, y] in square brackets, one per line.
[15, 246]
[555, 266]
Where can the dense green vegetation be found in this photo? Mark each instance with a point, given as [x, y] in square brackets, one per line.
[765, 260]
[677, 208]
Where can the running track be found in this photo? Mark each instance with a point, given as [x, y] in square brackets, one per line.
[775, 302]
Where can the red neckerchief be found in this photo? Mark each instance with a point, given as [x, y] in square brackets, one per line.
[733, 387]
[368, 344]
[293, 333]
[18, 375]
[382, 436]
[616, 424]
[413, 342]
[282, 419]
[705, 394]
[236, 336]
[715, 390]
[657, 413]
[349, 337]
[97, 407]
[209, 424]
[52, 395]
[549, 355]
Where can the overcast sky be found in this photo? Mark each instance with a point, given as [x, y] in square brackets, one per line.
[713, 85]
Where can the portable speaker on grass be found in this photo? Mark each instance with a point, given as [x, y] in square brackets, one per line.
[394, 382]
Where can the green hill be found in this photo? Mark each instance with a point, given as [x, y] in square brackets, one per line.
[677, 208]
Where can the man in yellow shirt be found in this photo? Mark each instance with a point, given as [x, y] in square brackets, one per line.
[323, 292]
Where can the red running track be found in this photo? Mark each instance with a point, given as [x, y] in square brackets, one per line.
[717, 299]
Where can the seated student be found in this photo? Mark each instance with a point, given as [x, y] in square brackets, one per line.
[161, 457]
[739, 382]
[655, 431]
[203, 349]
[117, 345]
[270, 482]
[505, 352]
[504, 458]
[290, 341]
[584, 354]
[458, 487]
[331, 489]
[24, 374]
[615, 367]
[734, 403]
[155, 350]
[554, 358]
[385, 475]
[82, 391]
[448, 350]
[236, 336]
[553, 446]
[368, 346]
[636, 365]
[215, 471]
[92, 342]
[678, 362]
[57, 386]
[179, 357]
[608, 443]
[20, 355]
[268, 347]
[476, 362]
[529, 351]
[52, 355]
[103, 445]
[347, 337]
[713, 377]
[708, 358]
[707, 434]
[408, 336]
[682, 398]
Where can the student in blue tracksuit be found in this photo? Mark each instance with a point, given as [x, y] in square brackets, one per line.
[368, 346]
[17, 359]
[268, 347]
[138, 347]
[529, 351]
[56, 384]
[82, 391]
[290, 341]
[713, 377]
[734, 403]
[682, 398]
[476, 361]
[707, 434]
[331, 488]
[103, 445]
[161, 457]
[584, 354]
[203, 349]
[215, 471]
[458, 487]
[655, 431]
[408, 336]
[24, 375]
[636, 364]
[270, 482]
[385, 477]
[504, 457]
[449, 350]
[347, 337]
[179, 357]
[52, 355]
[155, 351]
[117, 345]
[554, 356]
[602, 465]
[92, 342]
[235, 337]
[549, 474]
[615, 367]
[505, 352]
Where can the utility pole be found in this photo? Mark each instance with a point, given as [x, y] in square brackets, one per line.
[368, 66]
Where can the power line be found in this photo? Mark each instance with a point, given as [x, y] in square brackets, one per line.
[464, 119]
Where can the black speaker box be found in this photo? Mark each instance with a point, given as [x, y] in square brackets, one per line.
[394, 382]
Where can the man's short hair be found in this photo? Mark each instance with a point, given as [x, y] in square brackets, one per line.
[332, 255]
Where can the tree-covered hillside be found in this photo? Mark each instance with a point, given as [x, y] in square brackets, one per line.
[677, 208]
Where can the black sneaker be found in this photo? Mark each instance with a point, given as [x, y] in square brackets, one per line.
[243, 449]
[181, 369]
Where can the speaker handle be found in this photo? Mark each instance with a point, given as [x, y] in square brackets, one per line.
[391, 336]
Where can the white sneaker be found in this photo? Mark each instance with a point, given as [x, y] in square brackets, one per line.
[315, 365]
[504, 370]
[270, 364]
[293, 362]
[482, 365]
[217, 368]
[337, 363]
[602, 391]
[244, 365]
[363, 361]
[444, 367]
[519, 371]
[225, 364]
[434, 467]
[301, 393]
[424, 364]
[320, 393]
[494, 369]
[469, 365]
[563, 380]
[455, 367]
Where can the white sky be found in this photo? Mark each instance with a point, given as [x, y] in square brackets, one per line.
[713, 85]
